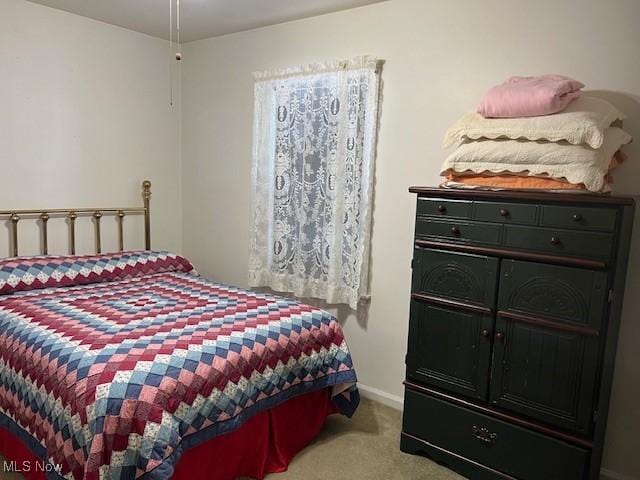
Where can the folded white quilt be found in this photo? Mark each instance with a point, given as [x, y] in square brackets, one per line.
[583, 121]
[576, 163]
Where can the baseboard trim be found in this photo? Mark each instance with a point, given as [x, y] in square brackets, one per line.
[606, 474]
[394, 401]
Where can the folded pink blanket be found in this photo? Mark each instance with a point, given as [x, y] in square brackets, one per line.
[529, 96]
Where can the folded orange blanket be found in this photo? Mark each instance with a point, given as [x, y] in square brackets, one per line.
[523, 182]
[516, 182]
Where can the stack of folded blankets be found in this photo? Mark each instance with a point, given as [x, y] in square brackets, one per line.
[536, 133]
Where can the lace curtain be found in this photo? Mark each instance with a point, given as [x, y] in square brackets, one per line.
[313, 157]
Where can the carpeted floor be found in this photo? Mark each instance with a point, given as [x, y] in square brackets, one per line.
[4, 475]
[365, 447]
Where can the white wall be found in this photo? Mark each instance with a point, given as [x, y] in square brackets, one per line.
[440, 58]
[84, 118]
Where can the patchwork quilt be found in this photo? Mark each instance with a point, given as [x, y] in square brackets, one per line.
[112, 365]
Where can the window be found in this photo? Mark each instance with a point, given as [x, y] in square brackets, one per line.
[313, 158]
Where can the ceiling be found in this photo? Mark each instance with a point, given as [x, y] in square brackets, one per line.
[200, 18]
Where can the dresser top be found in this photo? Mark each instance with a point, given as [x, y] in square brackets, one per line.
[603, 199]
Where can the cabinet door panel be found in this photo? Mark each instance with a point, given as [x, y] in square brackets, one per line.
[447, 348]
[545, 373]
[565, 294]
[461, 276]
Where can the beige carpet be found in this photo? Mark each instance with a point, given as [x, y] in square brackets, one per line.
[4, 475]
[365, 447]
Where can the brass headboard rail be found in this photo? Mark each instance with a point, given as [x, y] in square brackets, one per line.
[45, 214]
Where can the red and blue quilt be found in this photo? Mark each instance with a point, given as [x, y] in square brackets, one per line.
[112, 365]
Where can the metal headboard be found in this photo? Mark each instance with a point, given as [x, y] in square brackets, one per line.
[71, 214]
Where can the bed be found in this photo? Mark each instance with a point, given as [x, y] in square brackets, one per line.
[129, 365]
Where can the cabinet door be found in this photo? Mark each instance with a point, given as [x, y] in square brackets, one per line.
[544, 373]
[449, 348]
[545, 357]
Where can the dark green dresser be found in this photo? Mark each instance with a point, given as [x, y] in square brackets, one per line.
[515, 310]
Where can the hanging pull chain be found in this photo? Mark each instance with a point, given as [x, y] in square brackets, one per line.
[171, 44]
[178, 54]
[171, 50]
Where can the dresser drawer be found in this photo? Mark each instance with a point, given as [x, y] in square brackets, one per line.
[519, 213]
[559, 242]
[513, 450]
[459, 230]
[579, 218]
[444, 208]
[460, 276]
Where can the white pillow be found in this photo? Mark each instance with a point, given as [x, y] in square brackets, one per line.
[576, 163]
[583, 121]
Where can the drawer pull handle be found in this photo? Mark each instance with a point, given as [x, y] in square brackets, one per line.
[504, 212]
[442, 208]
[555, 240]
[455, 231]
[485, 333]
[577, 217]
[484, 435]
[500, 336]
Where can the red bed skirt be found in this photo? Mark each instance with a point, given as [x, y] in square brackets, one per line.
[266, 443]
